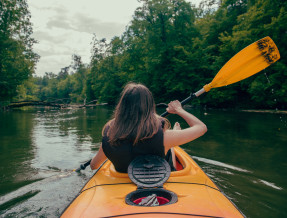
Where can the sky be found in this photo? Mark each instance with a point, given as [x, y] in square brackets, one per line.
[66, 27]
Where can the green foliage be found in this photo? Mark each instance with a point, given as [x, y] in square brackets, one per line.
[174, 49]
[17, 59]
[263, 18]
[27, 90]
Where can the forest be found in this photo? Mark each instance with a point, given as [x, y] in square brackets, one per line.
[171, 46]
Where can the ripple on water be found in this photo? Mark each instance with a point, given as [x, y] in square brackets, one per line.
[220, 164]
[269, 184]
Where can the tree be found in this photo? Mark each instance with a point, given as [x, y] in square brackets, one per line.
[160, 49]
[17, 59]
[174, 49]
[263, 18]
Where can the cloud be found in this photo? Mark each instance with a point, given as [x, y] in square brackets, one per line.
[80, 22]
[59, 61]
[46, 36]
[59, 22]
[48, 49]
[84, 23]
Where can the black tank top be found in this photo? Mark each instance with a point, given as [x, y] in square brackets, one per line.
[122, 155]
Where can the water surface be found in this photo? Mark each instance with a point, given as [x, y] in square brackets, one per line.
[243, 153]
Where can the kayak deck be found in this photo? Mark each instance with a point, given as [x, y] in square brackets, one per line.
[104, 195]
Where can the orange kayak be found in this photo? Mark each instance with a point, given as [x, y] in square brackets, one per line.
[107, 194]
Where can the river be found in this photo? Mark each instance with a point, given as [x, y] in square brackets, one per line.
[244, 153]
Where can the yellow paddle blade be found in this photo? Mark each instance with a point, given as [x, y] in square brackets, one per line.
[246, 63]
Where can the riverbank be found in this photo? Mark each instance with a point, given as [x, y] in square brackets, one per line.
[266, 111]
[73, 106]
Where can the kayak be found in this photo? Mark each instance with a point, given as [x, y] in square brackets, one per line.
[186, 192]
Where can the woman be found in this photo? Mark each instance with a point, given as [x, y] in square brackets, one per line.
[136, 129]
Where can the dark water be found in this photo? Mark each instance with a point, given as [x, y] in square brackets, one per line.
[243, 153]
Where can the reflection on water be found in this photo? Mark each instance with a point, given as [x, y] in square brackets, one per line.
[243, 153]
[16, 150]
[39, 149]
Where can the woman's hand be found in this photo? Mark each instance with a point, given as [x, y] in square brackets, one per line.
[176, 136]
[174, 107]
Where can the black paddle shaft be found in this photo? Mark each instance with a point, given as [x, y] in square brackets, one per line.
[83, 166]
[184, 102]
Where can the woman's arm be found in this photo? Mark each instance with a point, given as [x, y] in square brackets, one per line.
[174, 138]
[98, 159]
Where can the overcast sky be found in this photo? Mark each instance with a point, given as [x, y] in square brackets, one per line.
[66, 27]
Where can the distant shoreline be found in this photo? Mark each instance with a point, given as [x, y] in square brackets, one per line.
[266, 111]
[78, 106]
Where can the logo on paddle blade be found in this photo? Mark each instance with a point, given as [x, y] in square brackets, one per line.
[268, 49]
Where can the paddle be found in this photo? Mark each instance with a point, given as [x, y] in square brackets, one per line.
[249, 61]
[83, 166]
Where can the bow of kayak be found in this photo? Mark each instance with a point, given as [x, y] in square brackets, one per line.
[105, 194]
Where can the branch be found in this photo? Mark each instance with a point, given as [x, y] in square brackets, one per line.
[34, 103]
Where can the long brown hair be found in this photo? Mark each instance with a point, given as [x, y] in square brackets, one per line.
[135, 115]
